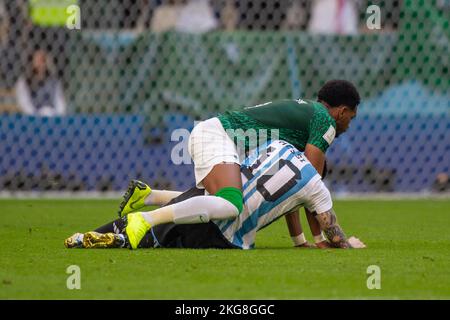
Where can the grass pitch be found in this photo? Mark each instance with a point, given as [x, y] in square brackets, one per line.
[408, 240]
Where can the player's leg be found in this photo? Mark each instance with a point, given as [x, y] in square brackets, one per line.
[166, 235]
[161, 197]
[119, 225]
[193, 236]
[199, 209]
[216, 163]
[93, 239]
[226, 203]
[170, 235]
[217, 169]
[139, 195]
[107, 236]
[110, 235]
[134, 197]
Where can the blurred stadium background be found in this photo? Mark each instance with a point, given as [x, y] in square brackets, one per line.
[88, 109]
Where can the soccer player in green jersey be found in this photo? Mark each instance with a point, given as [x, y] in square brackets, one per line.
[310, 126]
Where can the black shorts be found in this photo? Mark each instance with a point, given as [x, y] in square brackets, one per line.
[196, 236]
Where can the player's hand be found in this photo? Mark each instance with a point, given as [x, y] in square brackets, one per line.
[323, 245]
[356, 243]
[306, 245]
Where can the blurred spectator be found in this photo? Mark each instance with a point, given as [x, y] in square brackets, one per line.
[297, 15]
[229, 16]
[39, 91]
[4, 25]
[165, 16]
[334, 17]
[442, 183]
[14, 36]
[6, 95]
[197, 16]
[194, 16]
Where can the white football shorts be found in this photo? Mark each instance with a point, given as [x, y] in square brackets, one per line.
[208, 146]
[319, 197]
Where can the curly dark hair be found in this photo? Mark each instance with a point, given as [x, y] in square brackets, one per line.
[339, 92]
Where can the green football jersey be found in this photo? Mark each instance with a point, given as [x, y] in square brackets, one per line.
[299, 122]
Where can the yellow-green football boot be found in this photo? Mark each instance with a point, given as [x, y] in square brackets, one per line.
[136, 228]
[96, 240]
[134, 197]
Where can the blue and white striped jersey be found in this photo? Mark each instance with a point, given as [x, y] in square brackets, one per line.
[277, 178]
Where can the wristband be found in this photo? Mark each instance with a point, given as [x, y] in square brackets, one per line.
[319, 238]
[299, 240]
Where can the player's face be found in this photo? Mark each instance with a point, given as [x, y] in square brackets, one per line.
[346, 115]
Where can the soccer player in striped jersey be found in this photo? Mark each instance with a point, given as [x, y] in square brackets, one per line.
[215, 146]
[277, 179]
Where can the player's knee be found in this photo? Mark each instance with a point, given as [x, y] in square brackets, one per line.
[232, 195]
[203, 208]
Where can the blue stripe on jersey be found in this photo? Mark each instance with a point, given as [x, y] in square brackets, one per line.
[247, 194]
[307, 172]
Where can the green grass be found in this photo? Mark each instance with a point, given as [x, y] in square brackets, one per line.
[408, 240]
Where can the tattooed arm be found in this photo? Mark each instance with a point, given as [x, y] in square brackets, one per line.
[331, 228]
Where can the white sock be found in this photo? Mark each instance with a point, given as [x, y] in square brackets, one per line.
[160, 197]
[194, 210]
[159, 216]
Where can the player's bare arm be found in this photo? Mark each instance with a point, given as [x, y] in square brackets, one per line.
[296, 230]
[334, 232]
[317, 159]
